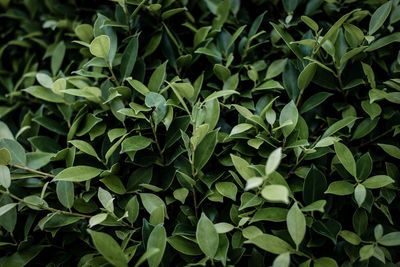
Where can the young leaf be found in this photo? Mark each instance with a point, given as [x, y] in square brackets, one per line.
[100, 46]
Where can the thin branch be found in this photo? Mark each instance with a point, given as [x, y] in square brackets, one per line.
[45, 207]
[31, 170]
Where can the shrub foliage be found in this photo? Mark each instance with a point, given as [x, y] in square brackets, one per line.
[199, 133]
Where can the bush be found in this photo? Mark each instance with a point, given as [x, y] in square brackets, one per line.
[187, 133]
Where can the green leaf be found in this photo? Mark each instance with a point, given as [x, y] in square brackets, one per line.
[205, 150]
[337, 126]
[109, 248]
[207, 236]
[306, 76]
[65, 193]
[6, 208]
[84, 147]
[84, 32]
[57, 57]
[78, 174]
[276, 193]
[129, 56]
[135, 143]
[158, 240]
[243, 167]
[384, 41]
[390, 240]
[275, 68]
[273, 161]
[289, 113]
[360, 194]
[184, 245]
[217, 94]
[310, 23]
[325, 262]
[340, 188]
[270, 243]
[314, 101]
[377, 181]
[132, 207]
[44, 94]
[283, 260]
[100, 46]
[227, 189]
[296, 224]
[350, 237]
[314, 185]
[391, 150]
[346, 158]
[335, 27]
[379, 17]
[157, 78]
[288, 39]
[16, 151]
[158, 101]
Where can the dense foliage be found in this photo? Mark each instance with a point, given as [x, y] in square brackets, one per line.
[199, 133]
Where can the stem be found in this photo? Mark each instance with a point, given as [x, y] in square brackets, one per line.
[45, 207]
[31, 170]
[153, 127]
[299, 97]
[376, 138]
[127, 19]
[196, 212]
[113, 77]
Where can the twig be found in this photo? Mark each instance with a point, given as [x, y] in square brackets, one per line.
[31, 170]
[45, 207]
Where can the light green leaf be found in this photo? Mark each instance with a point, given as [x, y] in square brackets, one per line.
[273, 161]
[340, 188]
[5, 177]
[158, 240]
[306, 76]
[78, 174]
[135, 143]
[65, 193]
[377, 181]
[390, 240]
[296, 224]
[157, 78]
[270, 243]
[392, 150]
[289, 113]
[350, 237]
[346, 158]
[84, 147]
[227, 189]
[207, 236]
[100, 46]
[243, 167]
[283, 260]
[276, 193]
